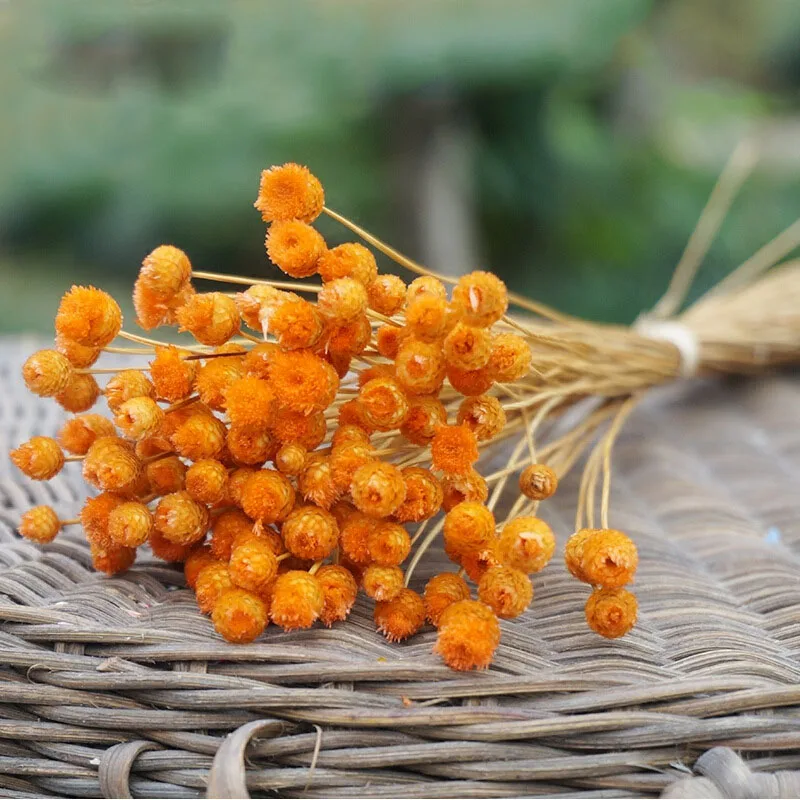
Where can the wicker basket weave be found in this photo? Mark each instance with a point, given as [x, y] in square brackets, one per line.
[119, 687]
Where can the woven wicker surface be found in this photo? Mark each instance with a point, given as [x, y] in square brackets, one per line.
[118, 686]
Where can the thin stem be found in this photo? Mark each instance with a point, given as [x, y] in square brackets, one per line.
[73, 521]
[244, 281]
[424, 545]
[611, 437]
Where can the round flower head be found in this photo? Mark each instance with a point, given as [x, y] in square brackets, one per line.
[470, 382]
[130, 524]
[425, 415]
[316, 483]
[538, 482]
[236, 482]
[200, 437]
[239, 616]
[253, 564]
[289, 192]
[125, 386]
[400, 617]
[384, 404]
[199, 556]
[212, 318]
[166, 550]
[423, 495]
[350, 339]
[573, 553]
[152, 311]
[80, 394]
[378, 489]
[373, 372]
[467, 347]
[225, 528]
[349, 434]
[425, 285]
[454, 449]
[355, 535]
[95, 514]
[469, 634]
[214, 377]
[296, 324]
[608, 558]
[526, 544]
[420, 367]
[294, 247]
[307, 430]
[212, 581]
[611, 612]
[484, 415]
[470, 486]
[40, 458]
[257, 304]
[426, 317]
[291, 458]
[483, 298]
[351, 260]
[139, 417]
[389, 338]
[180, 519]
[88, 316]
[468, 527]
[303, 381]
[351, 413]
[510, 359]
[508, 592]
[250, 446]
[267, 496]
[79, 355]
[382, 583]
[386, 294]
[343, 300]
[166, 475]
[47, 372]
[172, 376]
[40, 524]
[297, 600]
[113, 558]
[165, 271]
[111, 464]
[441, 591]
[207, 481]
[345, 460]
[388, 544]
[250, 402]
[476, 562]
[339, 590]
[310, 532]
[266, 535]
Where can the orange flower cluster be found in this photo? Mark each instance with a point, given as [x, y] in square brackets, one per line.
[284, 467]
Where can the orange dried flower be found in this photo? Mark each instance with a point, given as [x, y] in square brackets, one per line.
[538, 481]
[167, 475]
[257, 304]
[454, 449]
[297, 600]
[126, 385]
[225, 528]
[441, 591]
[139, 417]
[172, 376]
[400, 617]
[310, 532]
[611, 612]
[239, 616]
[483, 298]
[294, 247]
[236, 481]
[420, 367]
[508, 592]
[40, 458]
[212, 581]
[386, 294]
[343, 300]
[40, 524]
[351, 413]
[251, 446]
[199, 557]
[427, 318]
[316, 482]
[470, 382]
[351, 260]
[214, 377]
[425, 285]
[250, 402]
[484, 415]
[373, 372]
[355, 534]
[253, 564]
[207, 481]
[267, 496]
[467, 347]
[166, 550]
[180, 519]
[47, 372]
[349, 434]
[350, 339]
[165, 271]
[469, 527]
[383, 403]
[294, 427]
[201, 436]
[152, 310]
[95, 514]
[470, 486]
[303, 381]
[389, 544]
[296, 324]
[345, 460]
[130, 524]
[573, 553]
[88, 316]
[469, 634]
[289, 192]
[510, 359]
[291, 458]
[382, 583]
[113, 558]
[423, 495]
[425, 415]
[268, 536]
[609, 559]
[212, 318]
[80, 394]
[389, 338]
[339, 590]
[378, 489]
[79, 355]
[526, 544]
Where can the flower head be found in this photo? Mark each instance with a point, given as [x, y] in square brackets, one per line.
[355, 535]
[40, 524]
[350, 339]
[420, 367]
[425, 285]
[351, 260]
[199, 556]
[239, 616]
[172, 375]
[339, 590]
[378, 488]
[400, 617]
[469, 634]
[166, 475]
[508, 592]
[111, 464]
[608, 558]
[166, 550]
[343, 300]
[207, 481]
[267, 496]
[79, 355]
[303, 381]
[316, 483]
[40, 458]
[88, 316]
[130, 524]
[289, 192]
[296, 324]
[345, 460]
[139, 417]
[291, 458]
[95, 514]
[180, 519]
[382, 583]
[112, 558]
[425, 415]
[423, 495]
[250, 402]
[253, 564]
[80, 394]
[470, 486]
[125, 385]
[510, 359]
[538, 482]
[297, 600]
[427, 317]
[251, 446]
[388, 544]
[483, 298]
[470, 382]
[225, 528]
[257, 305]
[201, 436]
[349, 434]
[389, 338]
[384, 403]
[295, 427]
[47, 372]
[212, 581]
[484, 415]
[611, 612]
[469, 527]
[526, 544]
[467, 347]
[310, 532]
[212, 318]
[441, 591]
[165, 271]
[294, 247]
[454, 449]
[386, 294]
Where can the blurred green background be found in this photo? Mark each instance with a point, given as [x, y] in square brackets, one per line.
[568, 145]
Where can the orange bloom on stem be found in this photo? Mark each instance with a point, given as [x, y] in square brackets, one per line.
[289, 192]
[139, 417]
[467, 347]
[297, 600]
[482, 296]
[40, 524]
[296, 427]
[351, 260]
[343, 300]
[130, 524]
[425, 415]
[388, 544]
[400, 617]
[303, 381]
[201, 436]
[212, 581]
[291, 458]
[172, 376]
[166, 550]
[470, 382]
[355, 535]
[88, 316]
[423, 495]
[470, 486]
[310, 532]
[454, 449]
[349, 434]
[80, 394]
[484, 415]
[526, 544]
[214, 377]
[294, 247]
[47, 372]
[296, 324]
[267, 496]
[573, 552]
[250, 402]
[469, 634]
[40, 458]
[425, 285]
[239, 616]
[350, 339]
[199, 557]
[609, 559]
[180, 519]
[611, 612]
[352, 414]
[95, 514]
[378, 488]
[510, 359]
[384, 403]
[165, 271]
[538, 482]
[382, 583]
[420, 367]
[251, 446]
[253, 565]
[508, 592]
[316, 482]
[225, 528]
[212, 318]
[111, 464]
[166, 475]
[468, 527]
[79, 355]
[113, 558]
[427, 317]
[441, 591]
[389, 338]
[207, 481]
[386, 294]
[126, 385]
[257, 304]
[339, 590]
